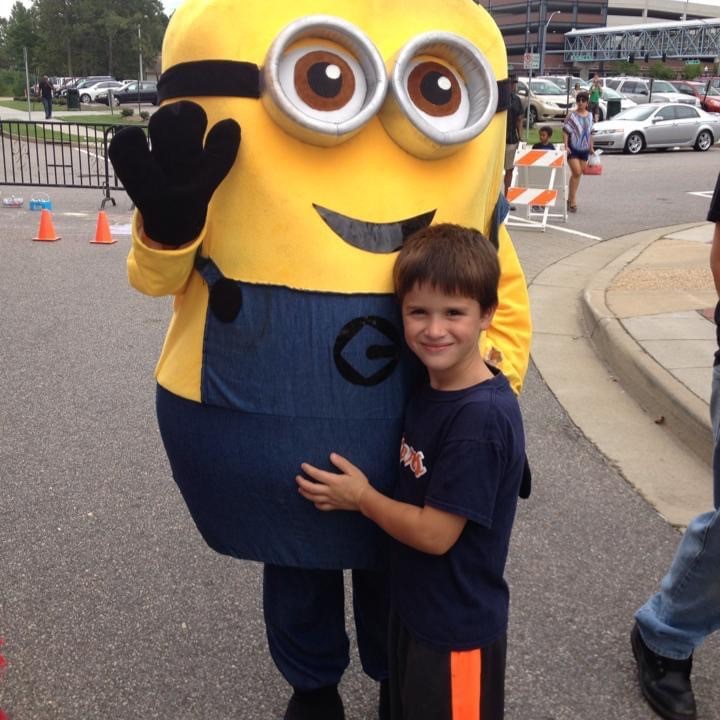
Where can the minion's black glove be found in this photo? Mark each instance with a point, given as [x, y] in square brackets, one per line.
[172, 183]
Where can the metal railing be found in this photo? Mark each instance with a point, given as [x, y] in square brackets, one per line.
[52, 154]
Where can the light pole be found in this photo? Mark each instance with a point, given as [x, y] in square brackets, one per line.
[544, 38]
[140, 76]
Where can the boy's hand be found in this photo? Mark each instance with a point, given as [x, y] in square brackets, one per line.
[333, 491]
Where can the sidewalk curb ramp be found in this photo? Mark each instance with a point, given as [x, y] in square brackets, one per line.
[611, 389]
[655, 389]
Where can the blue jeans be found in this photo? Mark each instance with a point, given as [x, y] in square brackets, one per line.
[47, 104]
[677, 619]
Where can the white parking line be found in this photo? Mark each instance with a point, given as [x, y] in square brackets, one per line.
[702, 193]
[522, 223]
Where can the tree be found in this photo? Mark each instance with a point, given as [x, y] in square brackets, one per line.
[690, 72]
[660, 71]
[624, 67]
[83, 37]
[21, 32]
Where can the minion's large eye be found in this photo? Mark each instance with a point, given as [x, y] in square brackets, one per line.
[443, 94]
[323, 80]
[438, 93]
[322, 83]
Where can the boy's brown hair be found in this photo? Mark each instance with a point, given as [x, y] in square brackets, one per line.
[452, 259]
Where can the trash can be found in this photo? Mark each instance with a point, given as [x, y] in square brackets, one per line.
[73, 99]
[613, 108]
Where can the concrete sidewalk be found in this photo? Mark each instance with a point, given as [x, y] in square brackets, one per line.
[624, 336]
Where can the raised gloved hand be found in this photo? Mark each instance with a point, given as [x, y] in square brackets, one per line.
[171, 182]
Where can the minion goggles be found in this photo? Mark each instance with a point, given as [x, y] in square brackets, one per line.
[323, 80]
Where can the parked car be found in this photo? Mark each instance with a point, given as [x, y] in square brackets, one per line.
[144, 92]
[83, 82]
[638, 89]
[611, 99]
[547, 101]
[658, 126]
[562, 82]
[708, 95]
[89, 93]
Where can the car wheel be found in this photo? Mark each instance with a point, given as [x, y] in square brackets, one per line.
[85, 98]
[704, 141]
[634, 144]
[533, 116]
[116, 102]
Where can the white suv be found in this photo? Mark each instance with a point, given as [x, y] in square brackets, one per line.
[638, 89]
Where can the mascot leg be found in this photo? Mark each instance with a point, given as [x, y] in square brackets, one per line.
[305, 622]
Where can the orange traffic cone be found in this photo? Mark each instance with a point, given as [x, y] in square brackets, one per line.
[102, 230]
[46, 231]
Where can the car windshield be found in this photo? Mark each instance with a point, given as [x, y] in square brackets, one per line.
[640, 112]
[710, 90]
[663, 86]
[545, 87]
[610, 94]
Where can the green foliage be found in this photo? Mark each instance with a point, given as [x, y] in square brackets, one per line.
[144, 114]
[660, 71]
[127, 112]
[83, 37]
[12, 83]
[623, 67]
[690, 72]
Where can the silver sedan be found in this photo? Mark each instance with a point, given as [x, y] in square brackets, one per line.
[660, 126]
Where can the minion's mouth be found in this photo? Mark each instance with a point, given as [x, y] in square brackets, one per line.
[374, 237]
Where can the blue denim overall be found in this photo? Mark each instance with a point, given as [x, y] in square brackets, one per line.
[291, 377]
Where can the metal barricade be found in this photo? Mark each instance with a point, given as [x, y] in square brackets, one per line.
[53, 154]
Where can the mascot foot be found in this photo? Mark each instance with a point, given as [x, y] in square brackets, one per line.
[384, 703]
[321, 704]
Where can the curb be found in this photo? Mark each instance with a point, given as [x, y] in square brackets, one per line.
[655, 389]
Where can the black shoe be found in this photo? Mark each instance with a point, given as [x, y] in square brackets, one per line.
[321, 704]
[384, 701]
[664, 682]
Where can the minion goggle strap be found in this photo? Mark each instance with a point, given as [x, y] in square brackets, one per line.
[323, 80]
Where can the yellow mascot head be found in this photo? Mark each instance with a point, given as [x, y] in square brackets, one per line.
[361, 121]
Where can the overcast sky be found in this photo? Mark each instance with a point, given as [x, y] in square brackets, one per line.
[6, 6]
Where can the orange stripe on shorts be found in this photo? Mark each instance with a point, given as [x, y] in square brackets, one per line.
[465, 674]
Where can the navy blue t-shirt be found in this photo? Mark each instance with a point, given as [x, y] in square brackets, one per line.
[463, 452]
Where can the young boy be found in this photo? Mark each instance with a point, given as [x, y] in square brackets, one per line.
[545, 134]
[461, 463]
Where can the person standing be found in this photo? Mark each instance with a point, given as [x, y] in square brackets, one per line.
[46, 95]
[512, 131]
[594, 97]
[677, 619]
[577, 135]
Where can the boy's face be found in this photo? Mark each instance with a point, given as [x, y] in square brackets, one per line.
[544, 137]
[444, 332]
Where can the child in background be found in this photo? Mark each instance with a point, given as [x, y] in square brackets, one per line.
[545, 134]
[462, 460]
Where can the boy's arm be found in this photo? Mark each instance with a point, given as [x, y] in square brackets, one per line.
[426, 529]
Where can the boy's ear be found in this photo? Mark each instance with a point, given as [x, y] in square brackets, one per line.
[486, 317]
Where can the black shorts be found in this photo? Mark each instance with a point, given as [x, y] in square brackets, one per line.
[431, 684]
[579, 154]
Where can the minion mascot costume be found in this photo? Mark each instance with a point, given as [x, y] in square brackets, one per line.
[362, 121]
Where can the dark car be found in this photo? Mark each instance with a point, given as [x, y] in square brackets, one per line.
[144, 92]
[708, 95]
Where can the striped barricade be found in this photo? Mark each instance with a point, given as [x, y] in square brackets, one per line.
[539, 187]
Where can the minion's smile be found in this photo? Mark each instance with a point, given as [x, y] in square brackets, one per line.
[374, 237]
